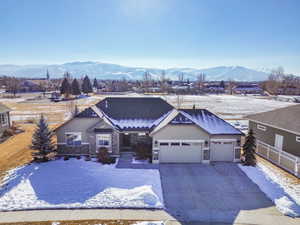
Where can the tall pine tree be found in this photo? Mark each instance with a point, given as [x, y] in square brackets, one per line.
[42, 140]
[249, 150]
[86, 85]
[75, 87]
[65, 88]
[95, 84]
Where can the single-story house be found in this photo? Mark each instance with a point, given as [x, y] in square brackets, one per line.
[176, 135]
[278, 136]
[4, 118]
[248, 89]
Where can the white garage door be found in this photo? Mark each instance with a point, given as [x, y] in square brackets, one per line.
[222, 151]
[180, 152]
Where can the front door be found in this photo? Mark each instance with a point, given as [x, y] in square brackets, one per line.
[126, 140]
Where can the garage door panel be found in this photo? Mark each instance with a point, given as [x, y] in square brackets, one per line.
[222, 151]
[180, 154]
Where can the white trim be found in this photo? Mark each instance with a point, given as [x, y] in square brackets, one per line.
[64, 143]
[101, 115]
[226, 140]
[297, 138]
[176, 140]
[269, 125]
[261, 127]
[165, 121]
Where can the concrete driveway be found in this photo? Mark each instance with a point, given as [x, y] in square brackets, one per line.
[219, 192]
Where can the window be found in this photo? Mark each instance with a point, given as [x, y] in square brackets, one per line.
[278, 141]
[3, 119]
[73, 138]
[185, 144]
[175, 144]
[261, 127]
[298, 138]
[103, 140]
[141, 134]
[163, 143]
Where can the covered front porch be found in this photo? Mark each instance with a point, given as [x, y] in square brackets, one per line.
[130, 141]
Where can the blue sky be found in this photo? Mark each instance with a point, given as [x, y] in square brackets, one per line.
[260, 34]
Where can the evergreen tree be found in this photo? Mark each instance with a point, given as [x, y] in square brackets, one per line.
[76, 111]
[249, 150]
[86, 85]
[95, 84]
[75, 87]
[65, 88]
[222, 84]
[42, 140]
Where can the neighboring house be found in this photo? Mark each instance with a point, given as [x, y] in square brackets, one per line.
[278, 136]
[4, 118]
[214, 88]
[247, 89]
[176, 136]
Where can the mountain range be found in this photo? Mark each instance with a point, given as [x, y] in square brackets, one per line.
[114, 71]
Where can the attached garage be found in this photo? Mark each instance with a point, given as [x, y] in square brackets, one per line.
[180, 152]
[222, 151]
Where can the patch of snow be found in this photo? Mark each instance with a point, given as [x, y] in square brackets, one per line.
[80, 184]
[149, 223]
[272, 187]
[137, 161]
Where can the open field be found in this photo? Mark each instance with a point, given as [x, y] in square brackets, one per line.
[15, 151]
[229, 107]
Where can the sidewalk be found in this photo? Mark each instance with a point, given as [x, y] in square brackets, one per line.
[244, 217]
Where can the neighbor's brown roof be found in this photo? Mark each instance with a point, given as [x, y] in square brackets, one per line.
[287, 118]
[4, 108]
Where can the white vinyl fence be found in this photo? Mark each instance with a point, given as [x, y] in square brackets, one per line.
[281, 158]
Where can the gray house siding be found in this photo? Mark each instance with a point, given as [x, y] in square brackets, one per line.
[88, 136]
[182, 132]
[290, 144]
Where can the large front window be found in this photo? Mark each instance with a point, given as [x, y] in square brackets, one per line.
[104, 140]
[73, 138]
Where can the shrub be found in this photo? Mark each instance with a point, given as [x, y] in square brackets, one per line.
[103, 156]
[78, 157]
[66, 157]
[7, 133]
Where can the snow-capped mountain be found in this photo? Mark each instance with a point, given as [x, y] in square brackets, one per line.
[114, 71]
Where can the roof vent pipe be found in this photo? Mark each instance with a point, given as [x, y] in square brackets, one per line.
[106, 104]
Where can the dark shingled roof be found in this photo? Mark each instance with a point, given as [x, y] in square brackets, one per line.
[87, 113]
[4, 108]
[134, 107]
[210, 122]
[287, 118]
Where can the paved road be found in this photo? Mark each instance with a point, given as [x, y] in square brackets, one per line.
[220, 192]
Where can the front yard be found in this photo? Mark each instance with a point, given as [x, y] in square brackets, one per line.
[77, 183]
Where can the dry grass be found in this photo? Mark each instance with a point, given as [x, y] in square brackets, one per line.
[78, 222]
[291, 179]
[15, 151]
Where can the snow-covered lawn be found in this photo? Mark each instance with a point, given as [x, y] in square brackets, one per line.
[80, 184]
[286, 199]
[228, 106]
